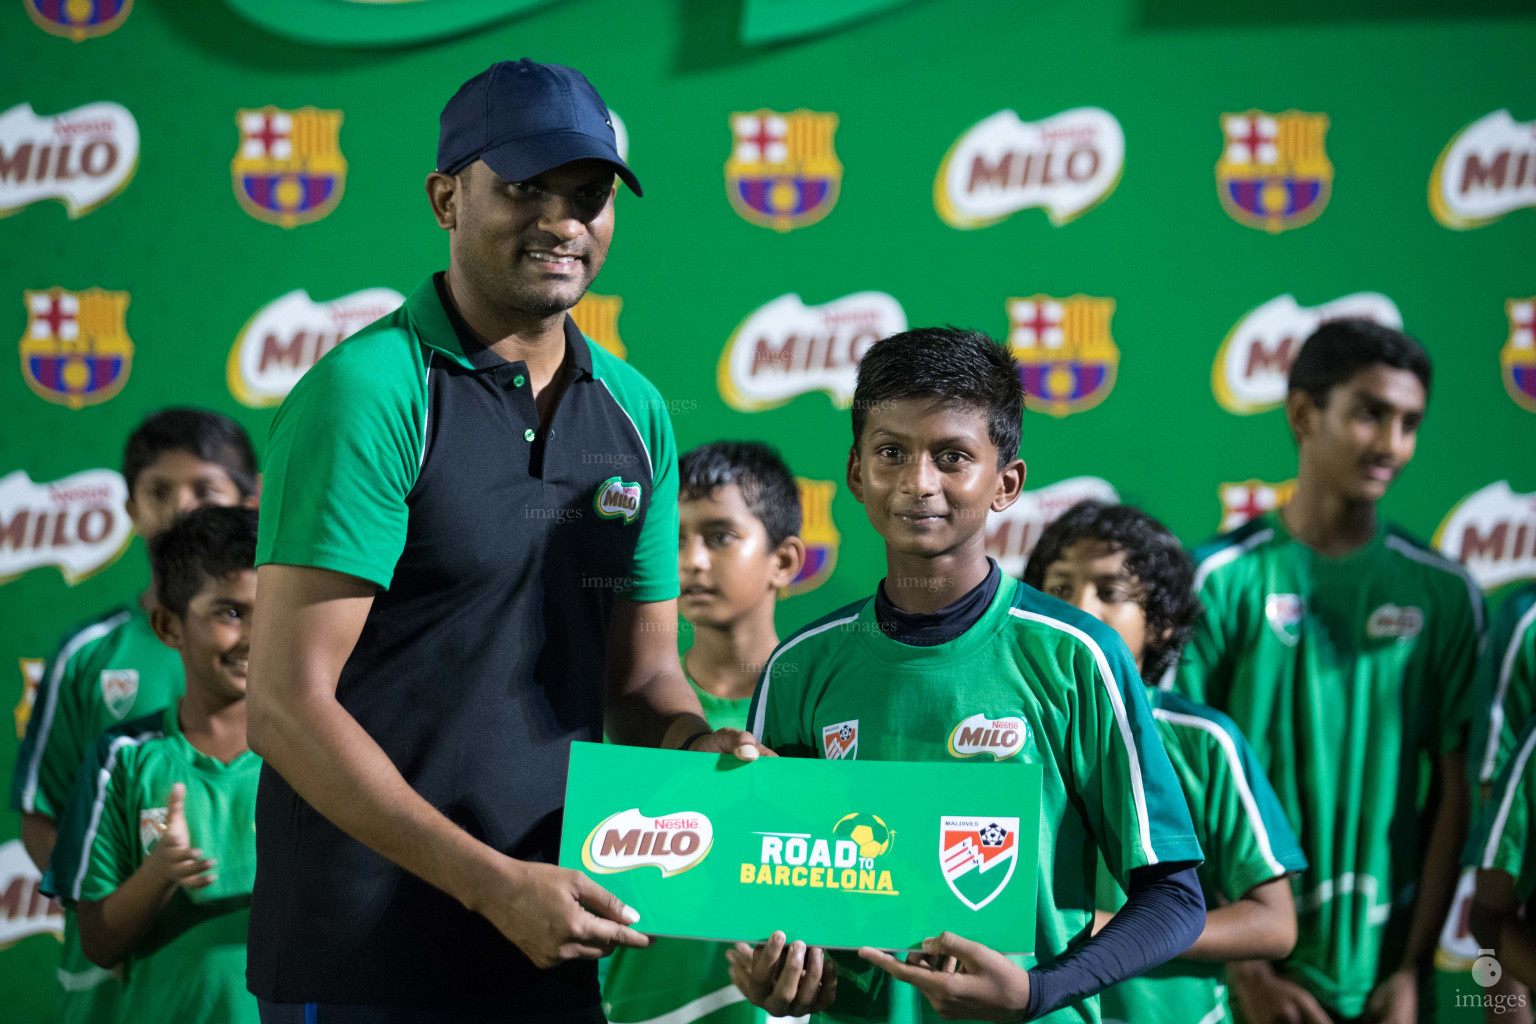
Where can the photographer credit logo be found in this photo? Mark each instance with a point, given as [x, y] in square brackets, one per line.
[1487, 972]
[1012, 533]
[1487, 170]
[672, 843]
[1274, 173]
[1065, 164]
[783, 172]
[1492, 532]
[1067, 357]
[76, 350]
[971, 850]
[288, 335]
[848, 860]
[1254, 359]
[77, 523]
[786, 348]
[288, 168]
[82, 157]
[819, 533]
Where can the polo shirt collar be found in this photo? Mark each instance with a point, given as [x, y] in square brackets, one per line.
[436, 326]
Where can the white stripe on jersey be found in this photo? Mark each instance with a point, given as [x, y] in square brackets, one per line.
[426, 415]
[1108, 679]
[1235, 765]
[1515, 771]
[649, 466]
[102, 778]
[707, 1003]
[1433, 560]
[1231, 553]
[762, 700]
[81, 981]
[1496, 710]
[45, 724]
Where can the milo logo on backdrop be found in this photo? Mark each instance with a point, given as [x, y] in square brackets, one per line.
[77, 523]
[1492, 531]
[786, 348]
[673, 843]
[289, 335]
[1487, 170]
[1011, 535]
[24, 910]
[1065, 164]
[82, 157]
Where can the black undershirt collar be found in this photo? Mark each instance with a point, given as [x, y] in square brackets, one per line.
[919, 629]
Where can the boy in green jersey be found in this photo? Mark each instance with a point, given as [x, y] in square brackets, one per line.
[1125, 569]
[157, 852]
[738, 546]
[113, 668]
[947, 649]
[1345, 650]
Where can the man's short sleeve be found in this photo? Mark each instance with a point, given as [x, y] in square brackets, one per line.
[1500, 839]
[1119, 769]
[343, 453]
[94, 853]
[653, 571]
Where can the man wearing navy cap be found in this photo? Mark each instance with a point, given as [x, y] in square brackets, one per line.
[467, 561]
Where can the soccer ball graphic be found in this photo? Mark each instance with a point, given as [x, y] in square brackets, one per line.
[868, 830]
[993, 835]
[845, 733]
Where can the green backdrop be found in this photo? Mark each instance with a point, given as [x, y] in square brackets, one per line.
[1396, 82]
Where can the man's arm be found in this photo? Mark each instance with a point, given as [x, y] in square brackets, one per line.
[38, 834]
[1496, 924]
[1260, 925]
[305, 626]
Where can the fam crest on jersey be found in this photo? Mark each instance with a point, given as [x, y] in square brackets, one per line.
[1274, 173]
[1067, 358]
[783, 172]
[288, 169]
[78, 20]
[75, 350]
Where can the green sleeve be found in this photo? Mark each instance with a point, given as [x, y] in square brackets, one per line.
[778, 713]
[343, 453]
[1504, 687]
[1501, 836]
[1204, 673]
[93, 853]
[1457, 641]
[1119, 771]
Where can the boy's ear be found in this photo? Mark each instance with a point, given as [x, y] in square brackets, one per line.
[167, 626]
[132, 508]
[855, 484]
[1300, 414]
[788, 558]
[1010, 484]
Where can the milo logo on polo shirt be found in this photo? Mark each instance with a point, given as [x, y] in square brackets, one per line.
[628, 840]
[978, 734]
[618, 499]
[1398, 623]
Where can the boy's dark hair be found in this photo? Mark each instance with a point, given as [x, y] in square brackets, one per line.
[205, 544]
[1339, 349]
[1153, 556]
[767, 485]
[211, 436]
[958, 367]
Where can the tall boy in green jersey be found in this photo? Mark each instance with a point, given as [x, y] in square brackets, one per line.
[1127, 570]
[738, 546]
[1502, 847]
[1345, 650]
[113, 668]
[947, 641]
[157, 851]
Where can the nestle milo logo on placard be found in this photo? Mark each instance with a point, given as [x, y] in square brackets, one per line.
[618, 499]
[672, 843]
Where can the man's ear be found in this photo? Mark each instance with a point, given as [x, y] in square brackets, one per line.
[1010, 484]
[1301, 414]
[167, 626]
[855, 484]
[443, 194]
[788, 558]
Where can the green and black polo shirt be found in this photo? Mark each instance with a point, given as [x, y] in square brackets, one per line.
[412, 456]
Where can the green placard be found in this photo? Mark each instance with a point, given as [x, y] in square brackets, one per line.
[839, 854]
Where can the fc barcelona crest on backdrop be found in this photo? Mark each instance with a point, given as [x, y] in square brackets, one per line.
[783, 172]
[1067, 358]
[78, 20]
[1274, 173]
[76, 350]
[597, 316]
[1518, 360]
[289, 169]
[819, 533]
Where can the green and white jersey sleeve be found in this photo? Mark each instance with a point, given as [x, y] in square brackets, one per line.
[108, 671]
[1505, 691]
[1501, 835]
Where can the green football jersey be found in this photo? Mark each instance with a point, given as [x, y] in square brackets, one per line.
[1034, 680]
[190, 964]
[1500, 839]
[678, 981]
[1348, 675]
[1247, 841]
[1505, 691]
[110, 670]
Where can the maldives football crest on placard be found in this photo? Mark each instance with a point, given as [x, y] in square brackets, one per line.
[288, 169]
[819, 533]
[1274, 173]
[78, 20]
[1517, 361]
[1487, 170]
[783, 172]
[977, 856]
[76, 350]
[1067, 358]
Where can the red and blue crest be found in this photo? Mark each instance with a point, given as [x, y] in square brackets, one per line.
[78, 19]
[76, 350]
[1068, 360]
[819, 534]
[1274, 173]
[783, 172]
[1518, 359]
[289, 169]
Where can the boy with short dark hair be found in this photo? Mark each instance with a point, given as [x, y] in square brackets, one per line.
[1344, 649]
[738, 545]
[113, 668]
[945, 639]
[158, 850]
[1127, 570]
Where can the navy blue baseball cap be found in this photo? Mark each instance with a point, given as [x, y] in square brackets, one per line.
[524, 118]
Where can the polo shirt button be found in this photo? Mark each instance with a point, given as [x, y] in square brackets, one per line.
[518, 381]
[528, 435]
